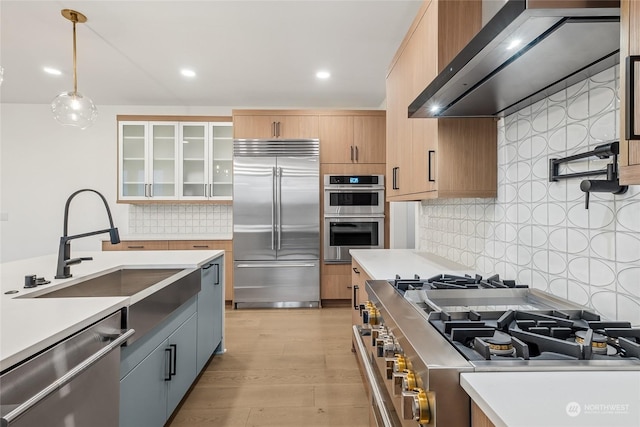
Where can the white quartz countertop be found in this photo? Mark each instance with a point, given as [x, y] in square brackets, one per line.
[383, 264]
[29, 325]
[217, 236]
[557, 399]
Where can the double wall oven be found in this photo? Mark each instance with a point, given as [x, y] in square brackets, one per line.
[353, 215]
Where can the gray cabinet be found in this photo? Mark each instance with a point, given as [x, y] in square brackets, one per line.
[182, 362]
[210, 311]
[143, 392]
[158, 369]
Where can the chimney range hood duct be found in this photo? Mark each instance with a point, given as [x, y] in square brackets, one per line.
[526, 52]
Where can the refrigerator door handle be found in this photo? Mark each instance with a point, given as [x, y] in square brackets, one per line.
[308, 264]
[279, 212]
[274, 198]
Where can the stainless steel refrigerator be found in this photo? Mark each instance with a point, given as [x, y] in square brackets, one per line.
[276, 223]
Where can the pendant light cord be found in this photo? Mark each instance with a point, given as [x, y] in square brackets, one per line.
[75, 78]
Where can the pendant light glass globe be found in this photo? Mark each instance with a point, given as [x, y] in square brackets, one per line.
[73, 109]
[1, 75]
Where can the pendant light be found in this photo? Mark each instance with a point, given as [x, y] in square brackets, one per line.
[72, 108]
[1, 75]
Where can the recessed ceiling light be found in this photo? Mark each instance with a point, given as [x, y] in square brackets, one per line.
[323, 75]
[53, 71]
[187, 73]
[435, 109]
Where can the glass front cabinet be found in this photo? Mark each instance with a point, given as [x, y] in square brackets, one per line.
[175, 161]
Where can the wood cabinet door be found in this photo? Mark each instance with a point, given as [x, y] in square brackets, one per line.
[369, 136]
[336, 282]
[629, 45]
[253, 127]
[336, 139]
[289, 127]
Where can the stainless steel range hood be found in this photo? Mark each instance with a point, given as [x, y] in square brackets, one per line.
[526, 52]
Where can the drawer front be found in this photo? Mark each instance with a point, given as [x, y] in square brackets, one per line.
[181, 245]
[136, 245]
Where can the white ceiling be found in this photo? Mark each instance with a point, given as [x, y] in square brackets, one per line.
[245, 53]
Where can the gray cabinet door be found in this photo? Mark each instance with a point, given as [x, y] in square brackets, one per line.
[218, 306]
[143, 391]
[182, 345]
[206, 301]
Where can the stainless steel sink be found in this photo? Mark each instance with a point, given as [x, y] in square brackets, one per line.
[147, 309]
[123, 282]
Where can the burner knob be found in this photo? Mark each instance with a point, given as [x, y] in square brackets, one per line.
[400, 364]
[409, 381]
[415, 406]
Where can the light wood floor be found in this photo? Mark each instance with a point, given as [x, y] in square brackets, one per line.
[283, 367]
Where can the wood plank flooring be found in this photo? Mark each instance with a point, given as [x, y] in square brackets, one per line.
[283, 367]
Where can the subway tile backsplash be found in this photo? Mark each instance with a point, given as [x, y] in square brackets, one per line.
[539, 232]
[180, 219]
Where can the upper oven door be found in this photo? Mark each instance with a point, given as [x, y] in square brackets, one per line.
[353, 201]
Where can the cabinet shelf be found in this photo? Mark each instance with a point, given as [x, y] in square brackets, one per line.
[133, 182]
[164, 159]
[223, 183]
[132, 137]
[133, 159]
[193, 160]
[164, 137]
[222, 160]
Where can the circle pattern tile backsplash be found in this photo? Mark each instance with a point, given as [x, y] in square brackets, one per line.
[539, 232]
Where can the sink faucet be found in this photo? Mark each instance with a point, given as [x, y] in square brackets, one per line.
[64, 250]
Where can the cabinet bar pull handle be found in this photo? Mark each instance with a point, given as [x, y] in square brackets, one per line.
[135, 247]
[210, 190]
[150, 190]
[175, 358]
[352, 153]
[278, 129]
[217, 274]
[273, 129]
[200, 246]
[356, 153]
[630, 101]
[395, 178]
[431, 152]
[355, 296]
[167, 364]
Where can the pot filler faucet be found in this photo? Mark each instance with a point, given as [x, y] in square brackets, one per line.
[64, 250]
[588, 186]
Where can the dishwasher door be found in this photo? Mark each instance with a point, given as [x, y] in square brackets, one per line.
[72, 384]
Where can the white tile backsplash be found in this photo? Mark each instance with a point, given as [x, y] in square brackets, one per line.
[180, 219]
[538, 231]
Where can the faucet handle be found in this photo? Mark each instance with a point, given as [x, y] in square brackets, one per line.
[73, 261]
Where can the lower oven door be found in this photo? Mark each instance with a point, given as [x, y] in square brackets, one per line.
[344, 233]
[381, 410]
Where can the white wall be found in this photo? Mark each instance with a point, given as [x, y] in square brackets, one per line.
[539, 232]
[42, 163]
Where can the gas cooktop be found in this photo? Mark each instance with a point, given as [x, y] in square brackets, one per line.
[452, 281]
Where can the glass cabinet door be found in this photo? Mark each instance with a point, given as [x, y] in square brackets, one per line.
[193, 145]
[221, 159]
[163, 154]
[132, 157]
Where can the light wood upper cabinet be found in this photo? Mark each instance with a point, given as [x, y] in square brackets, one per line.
[252, 124]
[352, 139]
[629, 45]
[430, 158]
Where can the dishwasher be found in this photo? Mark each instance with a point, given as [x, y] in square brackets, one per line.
[74, 383]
